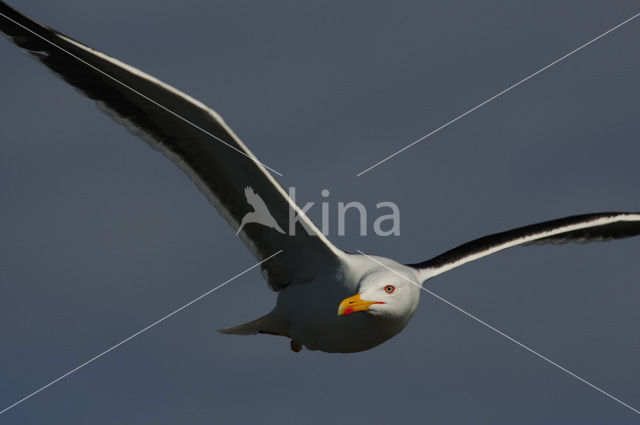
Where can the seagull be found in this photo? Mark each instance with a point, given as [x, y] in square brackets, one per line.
[328, 299]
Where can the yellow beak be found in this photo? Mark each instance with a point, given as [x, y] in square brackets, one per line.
[353, 304]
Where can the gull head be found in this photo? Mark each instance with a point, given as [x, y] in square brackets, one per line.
[389, 294]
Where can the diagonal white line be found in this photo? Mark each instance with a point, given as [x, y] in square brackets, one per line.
[251, 157]
[499, 94]
[91, 360]
[499, 332]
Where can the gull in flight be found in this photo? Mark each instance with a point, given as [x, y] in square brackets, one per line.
[328, 299]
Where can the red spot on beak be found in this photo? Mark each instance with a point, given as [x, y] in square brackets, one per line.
[347, 310]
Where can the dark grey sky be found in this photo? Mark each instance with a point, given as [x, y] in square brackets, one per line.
[102, 236]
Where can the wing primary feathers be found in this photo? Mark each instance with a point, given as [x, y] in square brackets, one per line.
[37, 53]
[579, 228]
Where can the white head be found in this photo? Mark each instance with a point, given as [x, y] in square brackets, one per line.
[385, 295]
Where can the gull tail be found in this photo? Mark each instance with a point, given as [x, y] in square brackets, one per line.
[267, 324]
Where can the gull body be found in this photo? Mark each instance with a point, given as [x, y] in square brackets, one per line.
[328, 299]
[307, 312]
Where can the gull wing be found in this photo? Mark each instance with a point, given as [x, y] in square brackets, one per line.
[578, 228]
[192, 136]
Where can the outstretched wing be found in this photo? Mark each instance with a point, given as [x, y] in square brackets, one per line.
[191, 135]
[578, 228]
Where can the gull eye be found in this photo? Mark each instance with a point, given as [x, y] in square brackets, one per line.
[389, 289]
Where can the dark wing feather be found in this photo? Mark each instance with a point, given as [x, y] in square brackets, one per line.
[579, 228]
[188, 133]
